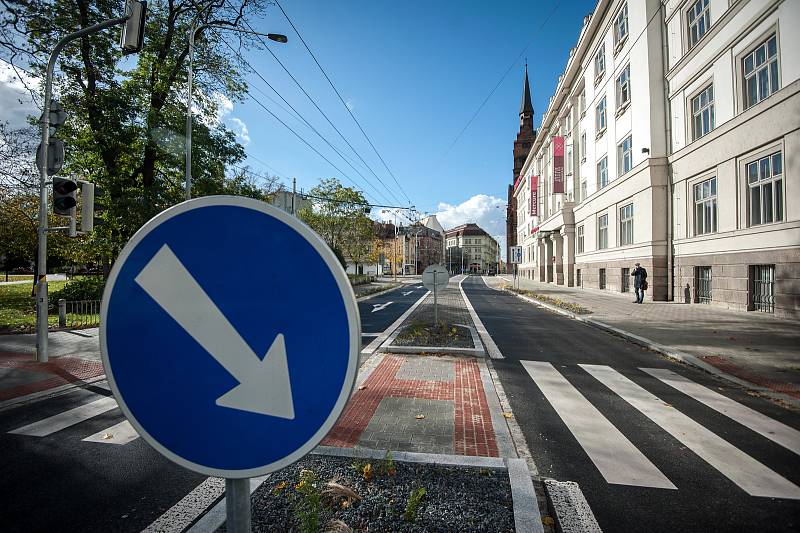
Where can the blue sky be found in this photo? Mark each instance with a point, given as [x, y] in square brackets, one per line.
[413, 74]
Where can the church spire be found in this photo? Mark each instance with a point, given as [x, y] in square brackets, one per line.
[525, 107]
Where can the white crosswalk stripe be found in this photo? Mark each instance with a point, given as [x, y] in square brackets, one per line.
[749, 474]
[617, 459]
[121, 433]
[777, 432]
[50, 425]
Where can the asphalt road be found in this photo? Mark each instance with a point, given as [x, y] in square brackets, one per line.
[379, 312]
[646, 456]
[59, 482]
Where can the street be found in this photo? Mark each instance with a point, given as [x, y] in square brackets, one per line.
[379, 312]
[645, 455]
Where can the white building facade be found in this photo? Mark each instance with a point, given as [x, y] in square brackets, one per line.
[673, 156]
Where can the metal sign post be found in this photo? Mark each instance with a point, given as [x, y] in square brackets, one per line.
[237, 505]
[435, 278]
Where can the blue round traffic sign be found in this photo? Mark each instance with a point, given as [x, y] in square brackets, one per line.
[230, 336]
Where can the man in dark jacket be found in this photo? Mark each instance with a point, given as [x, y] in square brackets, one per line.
[639, 282]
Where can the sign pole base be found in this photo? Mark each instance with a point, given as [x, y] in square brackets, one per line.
[237, 505]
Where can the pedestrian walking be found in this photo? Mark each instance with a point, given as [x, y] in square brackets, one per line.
[639, 282]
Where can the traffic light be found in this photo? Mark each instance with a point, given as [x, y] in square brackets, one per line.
[64, 196]
[133, 29]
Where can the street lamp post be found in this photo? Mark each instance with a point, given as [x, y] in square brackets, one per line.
[195, 29]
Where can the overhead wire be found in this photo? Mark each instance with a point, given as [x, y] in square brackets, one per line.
[314, 103]
[350, 112]
[307, 123]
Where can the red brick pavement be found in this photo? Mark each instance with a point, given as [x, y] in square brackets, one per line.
[741, 373]
[473, 435]
[63, 370]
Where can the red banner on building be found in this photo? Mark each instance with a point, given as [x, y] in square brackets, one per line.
[534, 208]
[558, 165]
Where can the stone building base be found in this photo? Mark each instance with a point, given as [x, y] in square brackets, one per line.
[656, 276]
[732, 283]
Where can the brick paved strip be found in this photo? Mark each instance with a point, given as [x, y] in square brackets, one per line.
[778, 386]
[473, 430]
[63, 369]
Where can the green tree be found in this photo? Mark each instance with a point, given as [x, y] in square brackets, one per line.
[338, 216]
[126, 116]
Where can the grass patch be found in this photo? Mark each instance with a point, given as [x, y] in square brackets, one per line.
[18, 307]
[568, 306]
[366, 291]
[420, 333]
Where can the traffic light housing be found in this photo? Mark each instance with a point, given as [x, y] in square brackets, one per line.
[133, 29]
[64, 196]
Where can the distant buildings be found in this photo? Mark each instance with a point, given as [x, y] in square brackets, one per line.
[286, 201]
[670, 141]
[408, 250]
[470, 249]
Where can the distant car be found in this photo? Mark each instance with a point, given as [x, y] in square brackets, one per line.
[491, 273]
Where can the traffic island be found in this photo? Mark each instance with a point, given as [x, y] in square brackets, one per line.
[368, 493]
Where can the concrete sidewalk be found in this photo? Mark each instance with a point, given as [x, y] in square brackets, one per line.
[754, 347]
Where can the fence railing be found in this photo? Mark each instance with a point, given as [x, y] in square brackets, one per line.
[78, 314]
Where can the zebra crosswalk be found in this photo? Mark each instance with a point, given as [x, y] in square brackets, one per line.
[620, 462]
[119, 433]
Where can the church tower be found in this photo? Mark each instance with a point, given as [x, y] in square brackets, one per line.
[522, 147]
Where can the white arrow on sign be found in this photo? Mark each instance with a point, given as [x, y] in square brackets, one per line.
[378, 307]
[264, 384]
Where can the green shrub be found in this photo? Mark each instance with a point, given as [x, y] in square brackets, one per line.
[84, 288]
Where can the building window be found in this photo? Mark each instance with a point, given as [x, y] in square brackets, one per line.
[602, 278]
[624, 87]
[625, 156]
[600, 116]
[703, 112]
[569, 161]
[765, 189]
[568, 122]
[626, 225]
[579, 240]
[602, 173]
[621, 25]
[762, 288]
[705, 207]
[760, 69]
[602, 232]
[584, 189]
[626, 280]
[703, 284]
[582, 102]
[578, 278]
[583, 146]
[699, 20]
[600, 63]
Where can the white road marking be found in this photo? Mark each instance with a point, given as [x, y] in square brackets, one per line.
[370, 348]
[752, 476]
[264, 384]
[378, 307]
[617, 459]
[491, 347]
[121, 433]
[407, 293]
[777, 432]
[45, 427]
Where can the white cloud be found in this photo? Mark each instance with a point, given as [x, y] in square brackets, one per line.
[488, 212]
[240, 129]
[15, 100]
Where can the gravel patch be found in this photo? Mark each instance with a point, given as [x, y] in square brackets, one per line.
[456, 498]
[442, 335]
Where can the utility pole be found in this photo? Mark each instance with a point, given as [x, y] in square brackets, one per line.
[41, 285]
[294, 194]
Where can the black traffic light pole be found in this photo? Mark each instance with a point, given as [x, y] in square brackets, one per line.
[41, 286]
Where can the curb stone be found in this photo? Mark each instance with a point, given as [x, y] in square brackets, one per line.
[477, 351]
[570, 508]
[665, 350]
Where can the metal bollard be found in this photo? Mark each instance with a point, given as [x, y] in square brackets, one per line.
[62, 313]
